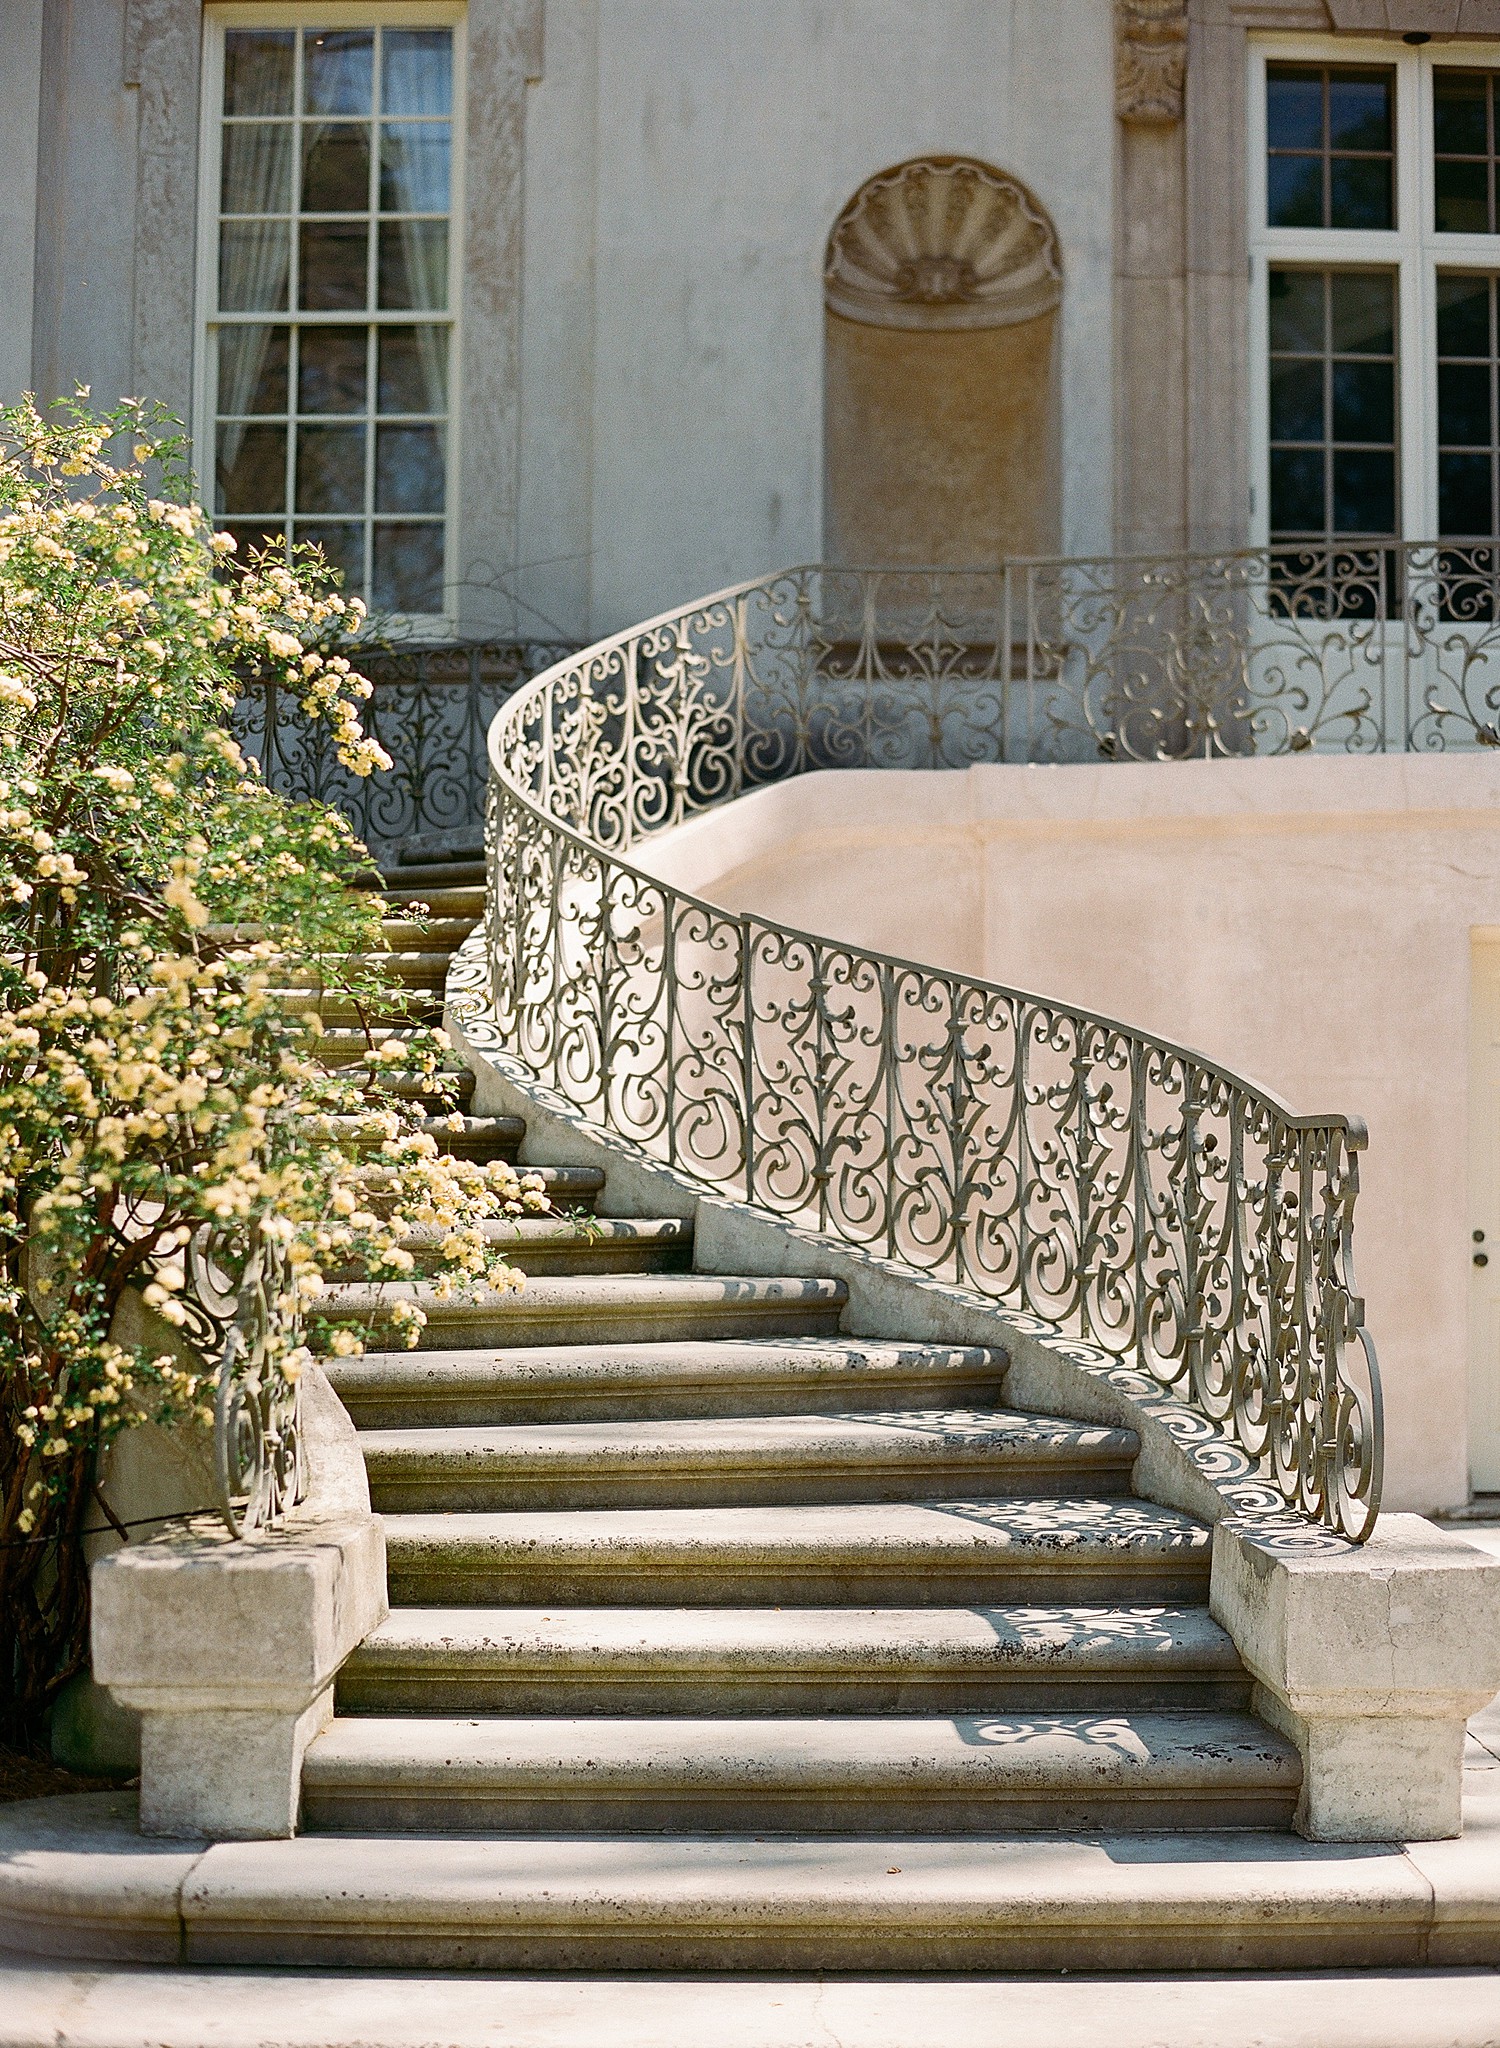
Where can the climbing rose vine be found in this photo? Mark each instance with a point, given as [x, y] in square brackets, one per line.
[159, 1085]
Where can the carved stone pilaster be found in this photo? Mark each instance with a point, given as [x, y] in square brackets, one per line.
[1150, 60]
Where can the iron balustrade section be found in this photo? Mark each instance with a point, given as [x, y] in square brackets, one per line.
[430, 709]
[1125, 1188]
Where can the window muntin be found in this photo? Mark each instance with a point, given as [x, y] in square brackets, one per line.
[1332, 387]
[1330, 146]
[334, 206]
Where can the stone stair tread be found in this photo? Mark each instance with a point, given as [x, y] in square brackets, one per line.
[563, 1230]
[606, 1291]
[732, 1374]
[730, 1443]
[800, 1639]
[1041, 1752]
[998, 1528]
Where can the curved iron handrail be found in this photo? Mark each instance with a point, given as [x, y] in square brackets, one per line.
[1123, 1186]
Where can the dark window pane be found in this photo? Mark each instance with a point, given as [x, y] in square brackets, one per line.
[1297, 326]
[330, 469]
[1364, 402]
[1458, 112]
[333, 264]
[342, 543]
[252, 369]
[258, 71]
[1364, 491]
[417, 71]
[331, 369]
[409, 469]
[414, 167]
[1297, 490]
[1294, 191]
[251, 469]
[1463, 322]
[414, 369]
[1464, 404]
[414, 264]
[256, 173]
[1362, 312]
[1294, 106]
[337, 68]
[1360, 192]
[408, 568]
[1462, 204]
[336, 167]
[1359, 109]
[254, 257]
[1464, 495]
[1297, 401]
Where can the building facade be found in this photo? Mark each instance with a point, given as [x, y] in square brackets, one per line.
[542, 315]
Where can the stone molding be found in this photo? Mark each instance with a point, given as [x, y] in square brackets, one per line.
[1151, 51]
[1437, 18]
[942, 242]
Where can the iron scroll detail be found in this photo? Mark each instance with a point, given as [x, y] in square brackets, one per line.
[1126, 1189]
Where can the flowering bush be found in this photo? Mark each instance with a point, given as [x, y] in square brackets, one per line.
[157, 903]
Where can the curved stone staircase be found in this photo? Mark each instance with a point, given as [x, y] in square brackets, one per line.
[720, 1638]
[723, 1640]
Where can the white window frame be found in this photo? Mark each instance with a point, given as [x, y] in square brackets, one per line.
[227, 14]
[1412, 249]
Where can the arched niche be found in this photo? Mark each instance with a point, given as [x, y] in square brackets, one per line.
[942, 284]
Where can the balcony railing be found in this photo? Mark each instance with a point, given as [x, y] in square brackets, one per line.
[1125, 1188]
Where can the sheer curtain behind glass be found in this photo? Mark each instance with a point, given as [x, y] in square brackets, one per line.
[255, 198]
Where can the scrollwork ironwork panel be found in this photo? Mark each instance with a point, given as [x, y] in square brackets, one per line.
[1122, 1187]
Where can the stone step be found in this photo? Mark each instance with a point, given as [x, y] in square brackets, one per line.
[561, 1244]
[758, 1661]
[741, 1376]
[460, 1136]
[931, 1454]
[467, 873]
[981, 1774]
[572, 1190]
[478, 1137]
[341, 1013]
[1089, 1552]
[415, 1087]
[593, 1308]
[465, 901]
[77, 1881]
[434, 934]
[343, 1048]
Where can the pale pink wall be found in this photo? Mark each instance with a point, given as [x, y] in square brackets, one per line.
[1307, 921]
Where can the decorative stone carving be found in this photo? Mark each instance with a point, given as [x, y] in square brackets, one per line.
[942, 242]
[1150, 59]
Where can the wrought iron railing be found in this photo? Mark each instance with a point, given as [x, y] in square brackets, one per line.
[430, 709]
[1125, 1188]
[240, 1316]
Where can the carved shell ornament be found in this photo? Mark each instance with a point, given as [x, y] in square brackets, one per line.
[942, 242]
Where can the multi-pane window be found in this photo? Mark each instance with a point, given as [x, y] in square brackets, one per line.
[1463, 142]
[330, 336]
[1375, 252]
[1330, 146]
[1466, 408]
[1332, 402]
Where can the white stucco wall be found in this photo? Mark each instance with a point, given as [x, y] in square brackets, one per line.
[1306, 921]
[683, 168]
